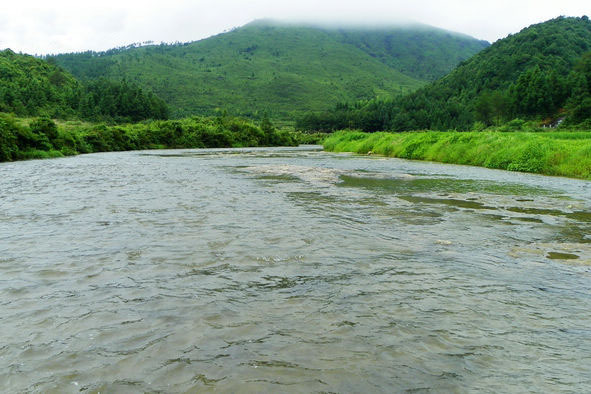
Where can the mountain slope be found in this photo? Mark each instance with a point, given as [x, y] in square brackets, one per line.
[534, 74]
[35, 87]
[284, 70]
[29, 86]
[532, 65]
[419, 51]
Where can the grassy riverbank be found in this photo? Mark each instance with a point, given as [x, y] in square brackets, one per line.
[39, 138]
[562, 153]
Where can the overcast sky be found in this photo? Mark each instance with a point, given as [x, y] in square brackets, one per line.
[41, 27]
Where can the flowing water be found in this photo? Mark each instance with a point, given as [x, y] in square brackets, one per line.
[290, 270]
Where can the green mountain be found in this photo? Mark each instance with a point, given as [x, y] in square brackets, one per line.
[30, 86]
[539, 73]
[35, 87]
[281, 69]
[422, 52]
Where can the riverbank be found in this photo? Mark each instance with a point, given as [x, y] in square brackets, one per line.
[560, 153]
[40, 138]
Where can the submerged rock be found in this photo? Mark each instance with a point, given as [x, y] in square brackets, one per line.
[561, 256]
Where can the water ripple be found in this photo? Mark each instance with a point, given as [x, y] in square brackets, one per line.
[280, 270]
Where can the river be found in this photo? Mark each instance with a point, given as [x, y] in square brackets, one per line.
[290, 270]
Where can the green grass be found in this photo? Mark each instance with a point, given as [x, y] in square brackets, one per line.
[549, 153]
[309, 138]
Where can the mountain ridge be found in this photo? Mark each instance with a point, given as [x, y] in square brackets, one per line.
[281, 70]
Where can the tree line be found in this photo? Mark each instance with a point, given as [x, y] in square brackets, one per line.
[43, 138]
[34, 87]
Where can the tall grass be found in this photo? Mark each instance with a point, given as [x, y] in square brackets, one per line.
[550, 153]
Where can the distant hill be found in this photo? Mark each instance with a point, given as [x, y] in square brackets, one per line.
[541, 72]
[29, 86]
[35, 87]
[422, 52]
[523, 75]
[282, 69]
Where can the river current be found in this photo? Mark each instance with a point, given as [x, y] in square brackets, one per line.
[290, 270]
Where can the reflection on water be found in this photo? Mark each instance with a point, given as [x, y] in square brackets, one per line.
[290, 270]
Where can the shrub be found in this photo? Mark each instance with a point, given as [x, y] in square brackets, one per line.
[8, 140]
[44, 126]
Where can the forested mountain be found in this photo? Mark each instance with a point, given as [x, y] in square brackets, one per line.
[543, 72]
[34, 87]
[30, 86]
[422, 52]
[281, 69]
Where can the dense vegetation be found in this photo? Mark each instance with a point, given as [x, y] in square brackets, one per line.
[541, 73]
[103, 99]
[422, 52]
[42, 137]
[34, 87]
[551, 153]
[30, 86]
[284, 70]
[40, 90]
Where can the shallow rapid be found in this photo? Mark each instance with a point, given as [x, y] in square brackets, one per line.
[290, 270]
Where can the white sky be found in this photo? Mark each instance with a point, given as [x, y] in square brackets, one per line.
[56, 26]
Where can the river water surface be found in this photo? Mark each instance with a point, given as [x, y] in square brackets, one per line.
[290, 270]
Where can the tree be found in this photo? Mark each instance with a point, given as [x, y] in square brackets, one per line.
[492, 107]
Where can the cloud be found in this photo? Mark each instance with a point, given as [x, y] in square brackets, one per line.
[34, 26]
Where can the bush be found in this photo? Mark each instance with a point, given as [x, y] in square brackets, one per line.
[44, 126]
[44, 139]
[513, 125]
[8, 140]
[478, 126]
[531, 159]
